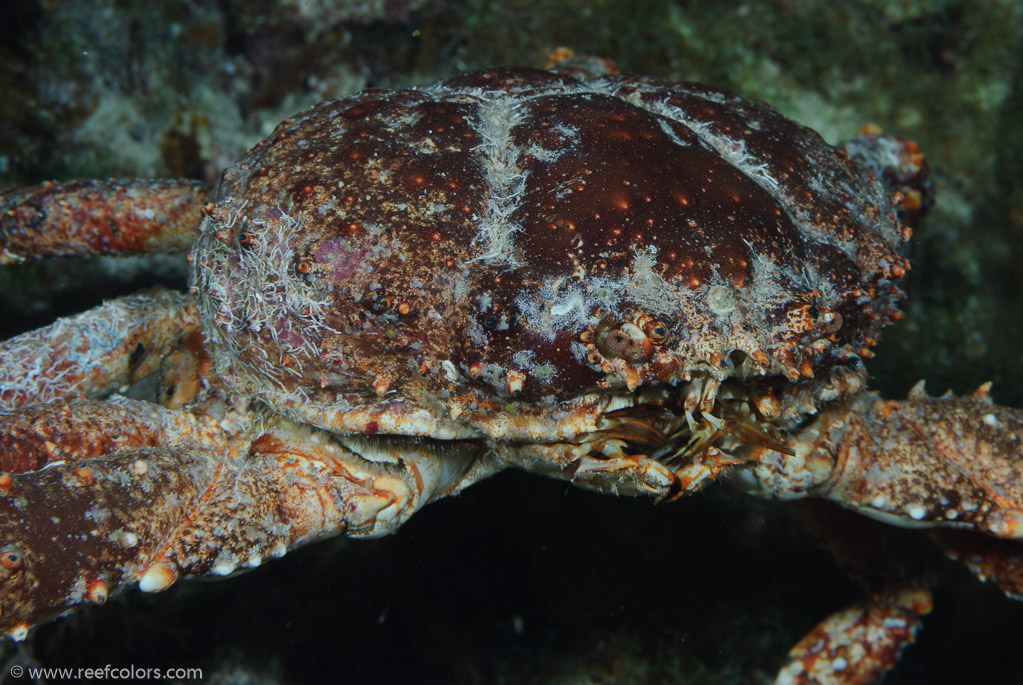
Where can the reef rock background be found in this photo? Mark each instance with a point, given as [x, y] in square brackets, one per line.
[522, 580]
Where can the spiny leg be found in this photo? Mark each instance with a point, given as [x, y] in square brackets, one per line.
[895, 569]
[990, 559]
[940, 463]
[953, 462]
[216, 495]
[859, 644]
[96, 352]
[99, 218]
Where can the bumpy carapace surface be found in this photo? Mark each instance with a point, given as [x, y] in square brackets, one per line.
[506, 250]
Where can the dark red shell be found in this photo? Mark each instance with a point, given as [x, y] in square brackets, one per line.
[515, 239]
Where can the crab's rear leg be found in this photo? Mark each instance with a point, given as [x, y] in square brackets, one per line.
[177, 494]
[895, 569]
[101, 350]
[99, 218]
[859, 644]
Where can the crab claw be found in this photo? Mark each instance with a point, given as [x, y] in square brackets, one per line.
[954, 462]
[940, 463]
[94, 514]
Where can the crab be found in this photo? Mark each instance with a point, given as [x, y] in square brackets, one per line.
[636, 286]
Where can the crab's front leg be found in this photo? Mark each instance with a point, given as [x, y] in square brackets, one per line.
[952, 462]
[939, 463]
[179, 494]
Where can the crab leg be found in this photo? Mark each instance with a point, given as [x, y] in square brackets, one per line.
[952, 462]
[859, 644]
[990, 559]
[940, 463]
[99, 217]
[216, 496]
[95, 352]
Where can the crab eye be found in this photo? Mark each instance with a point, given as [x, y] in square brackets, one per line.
[593, 357]
[10, 560]
[247, 238]
[490, 321]
[383, 304]
[656, 331]
[304, 267]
